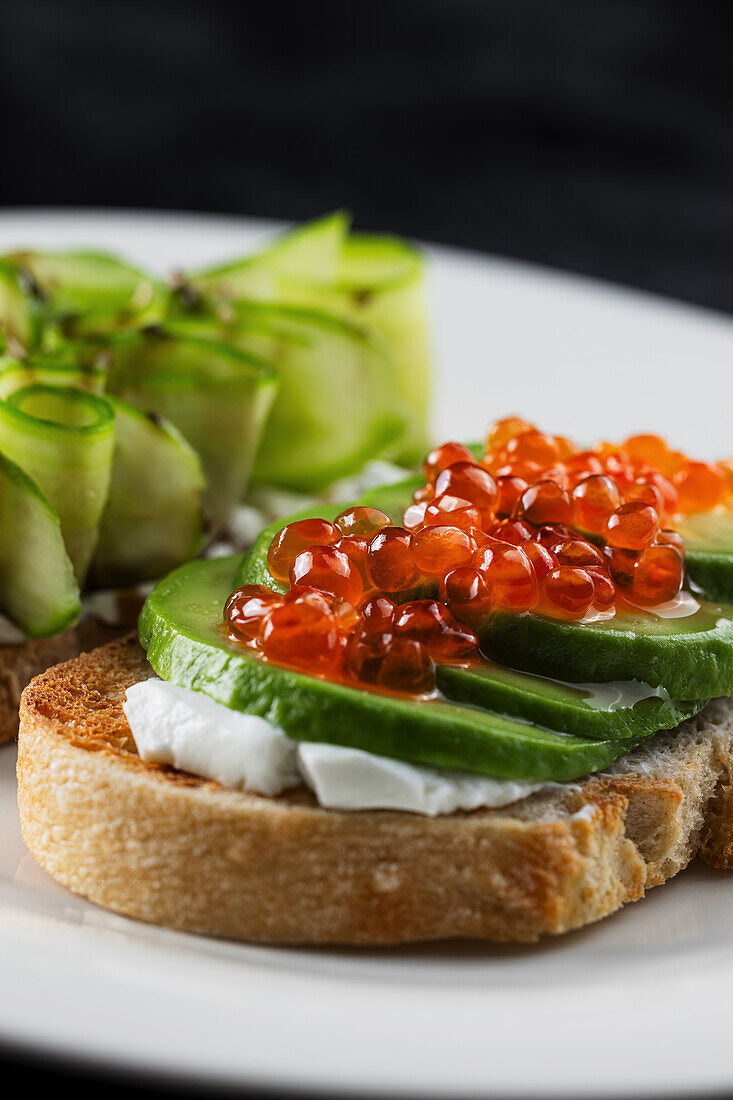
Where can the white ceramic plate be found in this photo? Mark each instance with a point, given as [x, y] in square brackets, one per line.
[635, 1006]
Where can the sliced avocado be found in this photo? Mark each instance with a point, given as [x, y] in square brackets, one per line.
[181, 629]
[605, 710]
[709, 552]
[689, 657]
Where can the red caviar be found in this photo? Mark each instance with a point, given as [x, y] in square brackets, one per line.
[436, 550]
[246, 607]
[295, 537]
[390, 560]
[546, 502]
[570, 589]
[535, 525]
[466, 592]
[632, 526]
[328, 569]
[362, 522]
[594, 497]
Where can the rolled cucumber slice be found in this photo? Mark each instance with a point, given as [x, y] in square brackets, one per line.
[219, 398]
[64, 439]
[376, 282]
[180, 627]
[153, 518]
[335, 408]
[22, 309]
[86, 282]
[382, 285]
[48, 371]
[309, 252]
[38, 589]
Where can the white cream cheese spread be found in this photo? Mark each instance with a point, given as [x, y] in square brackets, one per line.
[187, 729]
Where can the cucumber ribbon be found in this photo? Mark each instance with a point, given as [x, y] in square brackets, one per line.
[376, 287]
[88, 486]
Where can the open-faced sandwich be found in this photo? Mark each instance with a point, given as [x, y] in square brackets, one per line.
[134, 414]
[490, 701]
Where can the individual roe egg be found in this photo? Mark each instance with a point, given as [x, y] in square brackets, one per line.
[632, 526]
[295, 537]
[570, 590]
[390, 561]
[329, 569]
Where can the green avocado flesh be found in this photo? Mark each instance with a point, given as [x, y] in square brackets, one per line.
[180, 627]
[709, 552]
[690, 657]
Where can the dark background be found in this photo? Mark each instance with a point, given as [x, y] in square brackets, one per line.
[594, 136]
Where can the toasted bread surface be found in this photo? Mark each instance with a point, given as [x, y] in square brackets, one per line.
[170, 848]
[21, 661]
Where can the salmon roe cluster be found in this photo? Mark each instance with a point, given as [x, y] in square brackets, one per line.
[340, 617]
[535, 525]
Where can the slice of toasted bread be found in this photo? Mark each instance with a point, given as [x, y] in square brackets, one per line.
[170, 848]
[21, 661]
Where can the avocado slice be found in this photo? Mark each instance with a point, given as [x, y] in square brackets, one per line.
[690, 657]
[709, 552]
[181, 629]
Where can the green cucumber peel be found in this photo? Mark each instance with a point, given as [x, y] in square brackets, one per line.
[181, 629]
[376, 282]
[153, 517]
[38, 589]
[22, 309]
[49, 370]
[381, 285]
[219, 398]
[308, 252]
[85, 283]
[335, 408]
[63, 438]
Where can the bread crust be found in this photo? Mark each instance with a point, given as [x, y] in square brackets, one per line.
[20, 662]
[170, 848]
